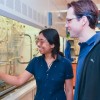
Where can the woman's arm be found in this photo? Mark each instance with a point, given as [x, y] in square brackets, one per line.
[16, 80]
[69, 89]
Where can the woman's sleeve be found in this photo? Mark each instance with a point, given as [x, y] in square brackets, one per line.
[31, 66]
[68, 70]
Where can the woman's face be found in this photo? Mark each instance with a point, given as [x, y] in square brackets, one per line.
[43, 45]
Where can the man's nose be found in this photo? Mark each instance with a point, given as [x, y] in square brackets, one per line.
[66, 25]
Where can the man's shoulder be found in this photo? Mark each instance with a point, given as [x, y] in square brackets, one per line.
[97, 45]
[95, 51]
[97, 37]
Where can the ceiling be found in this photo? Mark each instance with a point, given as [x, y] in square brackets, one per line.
[59, 14]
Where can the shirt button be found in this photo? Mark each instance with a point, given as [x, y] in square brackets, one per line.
[45, 85]
[47, 76]
[50, 92]
[52, 78]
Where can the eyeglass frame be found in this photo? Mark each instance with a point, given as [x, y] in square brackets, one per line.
[68, 20]
[41, 41]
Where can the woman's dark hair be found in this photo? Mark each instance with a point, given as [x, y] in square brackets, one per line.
[86, 8]
[52, 37]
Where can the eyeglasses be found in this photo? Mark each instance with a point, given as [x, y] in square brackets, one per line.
[69, 20]
[41, 41]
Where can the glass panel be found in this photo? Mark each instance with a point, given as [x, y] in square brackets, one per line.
[17, 48]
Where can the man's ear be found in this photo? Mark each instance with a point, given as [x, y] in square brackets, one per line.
[84, 20]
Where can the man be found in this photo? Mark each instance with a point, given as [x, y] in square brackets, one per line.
[82, 17]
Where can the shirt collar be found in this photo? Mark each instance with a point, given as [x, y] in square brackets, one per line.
[91, 40]
[57, 59]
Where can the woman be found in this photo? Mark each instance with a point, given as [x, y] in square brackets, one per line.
[51, 70]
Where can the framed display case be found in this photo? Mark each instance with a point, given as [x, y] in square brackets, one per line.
[17, 48]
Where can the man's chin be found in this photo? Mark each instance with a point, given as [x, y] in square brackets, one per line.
[41, 52]
[73, 36]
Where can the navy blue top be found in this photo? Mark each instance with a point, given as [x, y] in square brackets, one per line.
[50, 82]
[68, 51]
[84, 50]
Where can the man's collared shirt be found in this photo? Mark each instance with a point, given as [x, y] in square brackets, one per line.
[84, 50]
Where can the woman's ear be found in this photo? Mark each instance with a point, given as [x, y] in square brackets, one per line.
[52, 46]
